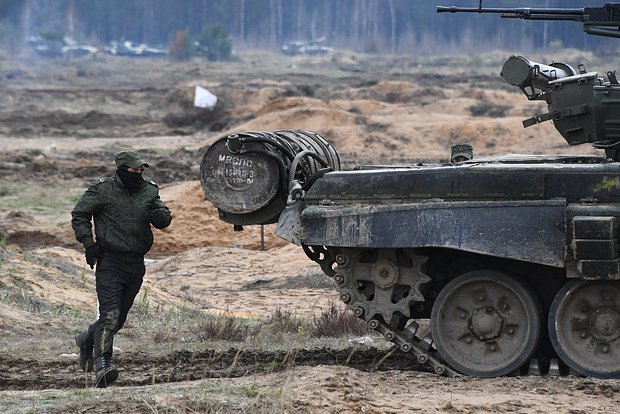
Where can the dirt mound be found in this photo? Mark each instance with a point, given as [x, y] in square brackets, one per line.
[24, 229]
[390, 91]
[44, 279]
[250, 99]
[404, 121]
[299, 114]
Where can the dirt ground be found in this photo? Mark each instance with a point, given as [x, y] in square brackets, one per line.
[61, 123]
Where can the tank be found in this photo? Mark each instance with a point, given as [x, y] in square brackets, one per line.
[514, 260]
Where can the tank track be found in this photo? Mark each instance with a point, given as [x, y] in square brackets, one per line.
[337, 265]
[385, 316]
[421, 348]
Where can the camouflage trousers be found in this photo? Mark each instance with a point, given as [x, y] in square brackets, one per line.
[117, 284]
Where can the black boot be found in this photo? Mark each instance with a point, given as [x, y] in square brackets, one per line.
[106, 373]
[85, 342]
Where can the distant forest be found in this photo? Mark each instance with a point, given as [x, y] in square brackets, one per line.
[373, 26]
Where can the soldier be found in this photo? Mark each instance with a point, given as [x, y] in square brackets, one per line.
[461, 152]
[123, 208]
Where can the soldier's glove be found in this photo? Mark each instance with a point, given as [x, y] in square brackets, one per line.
[159, 218]
[92, 255]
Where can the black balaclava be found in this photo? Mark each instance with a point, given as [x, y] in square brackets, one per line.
[132, 181]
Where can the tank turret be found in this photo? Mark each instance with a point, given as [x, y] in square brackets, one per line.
[582, 106]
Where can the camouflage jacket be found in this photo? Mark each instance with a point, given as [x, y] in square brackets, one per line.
[122, 220]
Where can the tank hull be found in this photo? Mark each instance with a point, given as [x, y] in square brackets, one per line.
[518, 210]
[516, 232]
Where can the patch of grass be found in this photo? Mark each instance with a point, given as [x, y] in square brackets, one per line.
[334, 322]
[225, 328]
[82, 392]
[39, 198]
[142, 307]
[178, 326]
[185, 290]
[162, 326]
[68, 311]
[84, 276]
[489, 109]
[165, 336]
[272, 366]
[185, 397]
[22, 300]
[49, 397]
[377, 127]
[249, 391]
[284, 321]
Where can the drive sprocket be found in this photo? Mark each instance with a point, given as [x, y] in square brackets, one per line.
[380, 282]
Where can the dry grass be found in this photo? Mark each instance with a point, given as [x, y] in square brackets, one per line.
[283, 321]
[224, 329]
[489, 109]
[337, 322]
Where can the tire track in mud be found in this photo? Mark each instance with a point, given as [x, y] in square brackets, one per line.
[141, 369]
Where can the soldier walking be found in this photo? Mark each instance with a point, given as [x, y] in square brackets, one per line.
[123, 208]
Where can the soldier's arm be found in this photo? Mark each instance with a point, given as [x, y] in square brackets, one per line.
[82, 215]
[159, 214]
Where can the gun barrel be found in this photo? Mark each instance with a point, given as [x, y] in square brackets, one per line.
[600, 21]
[520, 12]
[455, 9]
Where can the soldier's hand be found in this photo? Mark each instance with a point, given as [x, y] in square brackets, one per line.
[160, 218]
[92, 255]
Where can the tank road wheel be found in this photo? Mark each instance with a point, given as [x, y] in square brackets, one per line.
[584, 327]
[485, 324]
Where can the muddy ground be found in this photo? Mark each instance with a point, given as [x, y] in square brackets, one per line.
[62, 122]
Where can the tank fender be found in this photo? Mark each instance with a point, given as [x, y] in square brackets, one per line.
[289, 224]
[531, 230]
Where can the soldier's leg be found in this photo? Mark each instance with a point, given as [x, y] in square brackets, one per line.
[133, 283]
[110, 284]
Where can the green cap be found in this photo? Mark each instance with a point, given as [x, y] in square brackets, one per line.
[131, 159]
[461, 150]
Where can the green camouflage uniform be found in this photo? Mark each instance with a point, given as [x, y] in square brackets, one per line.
[122, 220]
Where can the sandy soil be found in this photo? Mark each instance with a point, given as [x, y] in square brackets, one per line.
[60, 126]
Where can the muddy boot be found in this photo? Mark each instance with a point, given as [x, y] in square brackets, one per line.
[106, 373]
[85, 342]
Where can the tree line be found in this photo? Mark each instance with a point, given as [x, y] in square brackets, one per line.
[373, 26]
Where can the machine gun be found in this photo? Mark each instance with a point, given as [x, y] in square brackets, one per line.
[601, 21]
[583, 107]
